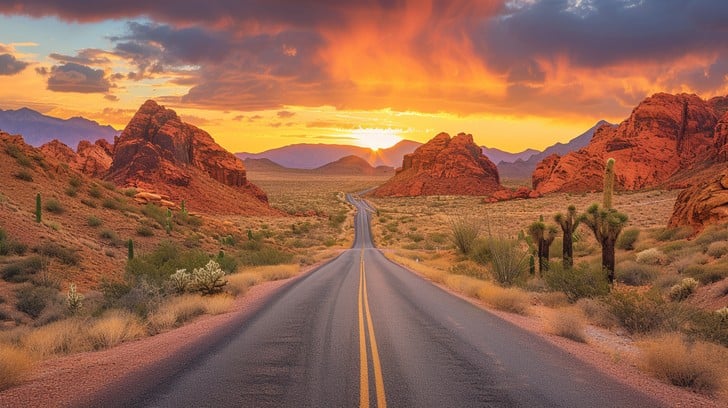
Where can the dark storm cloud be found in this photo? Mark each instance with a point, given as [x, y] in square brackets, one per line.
[9, 65]
[603, 32]
[72, 77]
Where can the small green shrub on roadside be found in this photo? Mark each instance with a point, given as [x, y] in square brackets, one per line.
[508, 260]
[464, 232]
[266, 255]
[638, 313]
[582, 281]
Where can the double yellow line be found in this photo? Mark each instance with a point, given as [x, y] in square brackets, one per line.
[363, 358]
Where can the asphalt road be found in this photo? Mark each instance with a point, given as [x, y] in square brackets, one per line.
[362, 331]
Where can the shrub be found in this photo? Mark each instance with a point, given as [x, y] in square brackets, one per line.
[176, 311]
[507, 299]
[24, 175]
[15, 363]
[597, 312]
[717, 249]
[568, 324]
[74, 300]
[468, 269]
[156, 213]
[627, 239]
[699, 366]
[651, 256]
[156, 267]
[61, 337]
[208, 280]
[75, 182]
[674, 234]
[114, 329]
[9, 246]
[180, 281]
[264, 256]
[110, 204]
[32, 300]
[144, 231]
[638, 313]
[88, 203]
[71, 191]
[579, 282]
[509, 260]
[22, 270]
[54, 206]
[635, 274]
[66, 255]
[464, 232]
[94, 191]
[707, 274]
[94, 221]
[712, 234]
[683, 290]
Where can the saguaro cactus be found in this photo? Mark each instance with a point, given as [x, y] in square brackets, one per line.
[130, 246]
[568, 223]
[608, 184]
[38, 208]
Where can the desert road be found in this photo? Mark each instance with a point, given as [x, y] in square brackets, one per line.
[363, 331]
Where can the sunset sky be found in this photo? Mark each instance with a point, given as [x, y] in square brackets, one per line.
[259, 74]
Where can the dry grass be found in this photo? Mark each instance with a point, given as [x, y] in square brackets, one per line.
[568, 323]
[240, 282]
[14, 364]
[113, 329]
[175, 312]
[61, 337]
[597, 313]
[699, 366]
[219, 304]
[511, 300]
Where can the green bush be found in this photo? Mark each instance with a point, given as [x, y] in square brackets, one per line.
[674, 234]
[54, 206]
[582, 281]
[32, 300]
[71, 191]
[651, 256]
[508, 260]
[627, 239]
[9, 246]
[67, 256]
[94, 221]
[709, 326]
[712, 234]
[144, 231]
[156, 266]
[24, 175]
[94, 191]
[156, 213]
[21, 271]
[707, 274]
[110, 203]
[638, 313]
[264, 256]
[635, 274]
[75, 182]
[717, 249]
[464, 232]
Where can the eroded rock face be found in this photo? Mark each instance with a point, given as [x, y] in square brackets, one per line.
[665, 134]
[94, 159]
[158, 152]
[702, 204]
[57, 150]
[444, 166]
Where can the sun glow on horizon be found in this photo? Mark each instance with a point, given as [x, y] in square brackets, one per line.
[375, 138]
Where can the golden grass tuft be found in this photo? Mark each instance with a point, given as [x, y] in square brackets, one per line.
[239, 283]
[114, 329]
[464, 284]
[506, 299]
[15, 363]
[219, 304]
[176, 311]
[567, 323]
[61, 337]
[699, 366]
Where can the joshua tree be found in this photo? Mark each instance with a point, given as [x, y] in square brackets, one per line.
[543, 236]
[606, 223]
[568, 224]
[38, 209]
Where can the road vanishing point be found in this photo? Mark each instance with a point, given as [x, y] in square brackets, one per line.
[362, 331]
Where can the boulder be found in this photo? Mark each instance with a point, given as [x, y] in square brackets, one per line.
[702, 204]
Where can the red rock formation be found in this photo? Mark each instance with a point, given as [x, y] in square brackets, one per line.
[94, 159]
[702, 204]
[158, 152]
[58, 151]
[664, 135]
[444, 166]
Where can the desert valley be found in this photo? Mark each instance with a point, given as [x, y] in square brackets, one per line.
[268, 206]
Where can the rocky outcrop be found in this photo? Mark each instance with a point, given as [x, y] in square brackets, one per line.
[444, 166]
[665, 135]
[58, 151]
[91, 159]
[702, 204]
[158, 152]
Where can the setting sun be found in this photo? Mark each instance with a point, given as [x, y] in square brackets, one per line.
[376, 139]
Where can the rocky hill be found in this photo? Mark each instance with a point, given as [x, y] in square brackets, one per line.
[91, 159]
[444, 166]
[664, 137]
[158, 152]
[353, 166]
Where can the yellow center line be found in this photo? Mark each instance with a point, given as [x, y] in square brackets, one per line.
[363, 364]
[378, 378]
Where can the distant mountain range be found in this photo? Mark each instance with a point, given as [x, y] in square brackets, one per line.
[523, 168]
[38, 129]
[347, 165]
